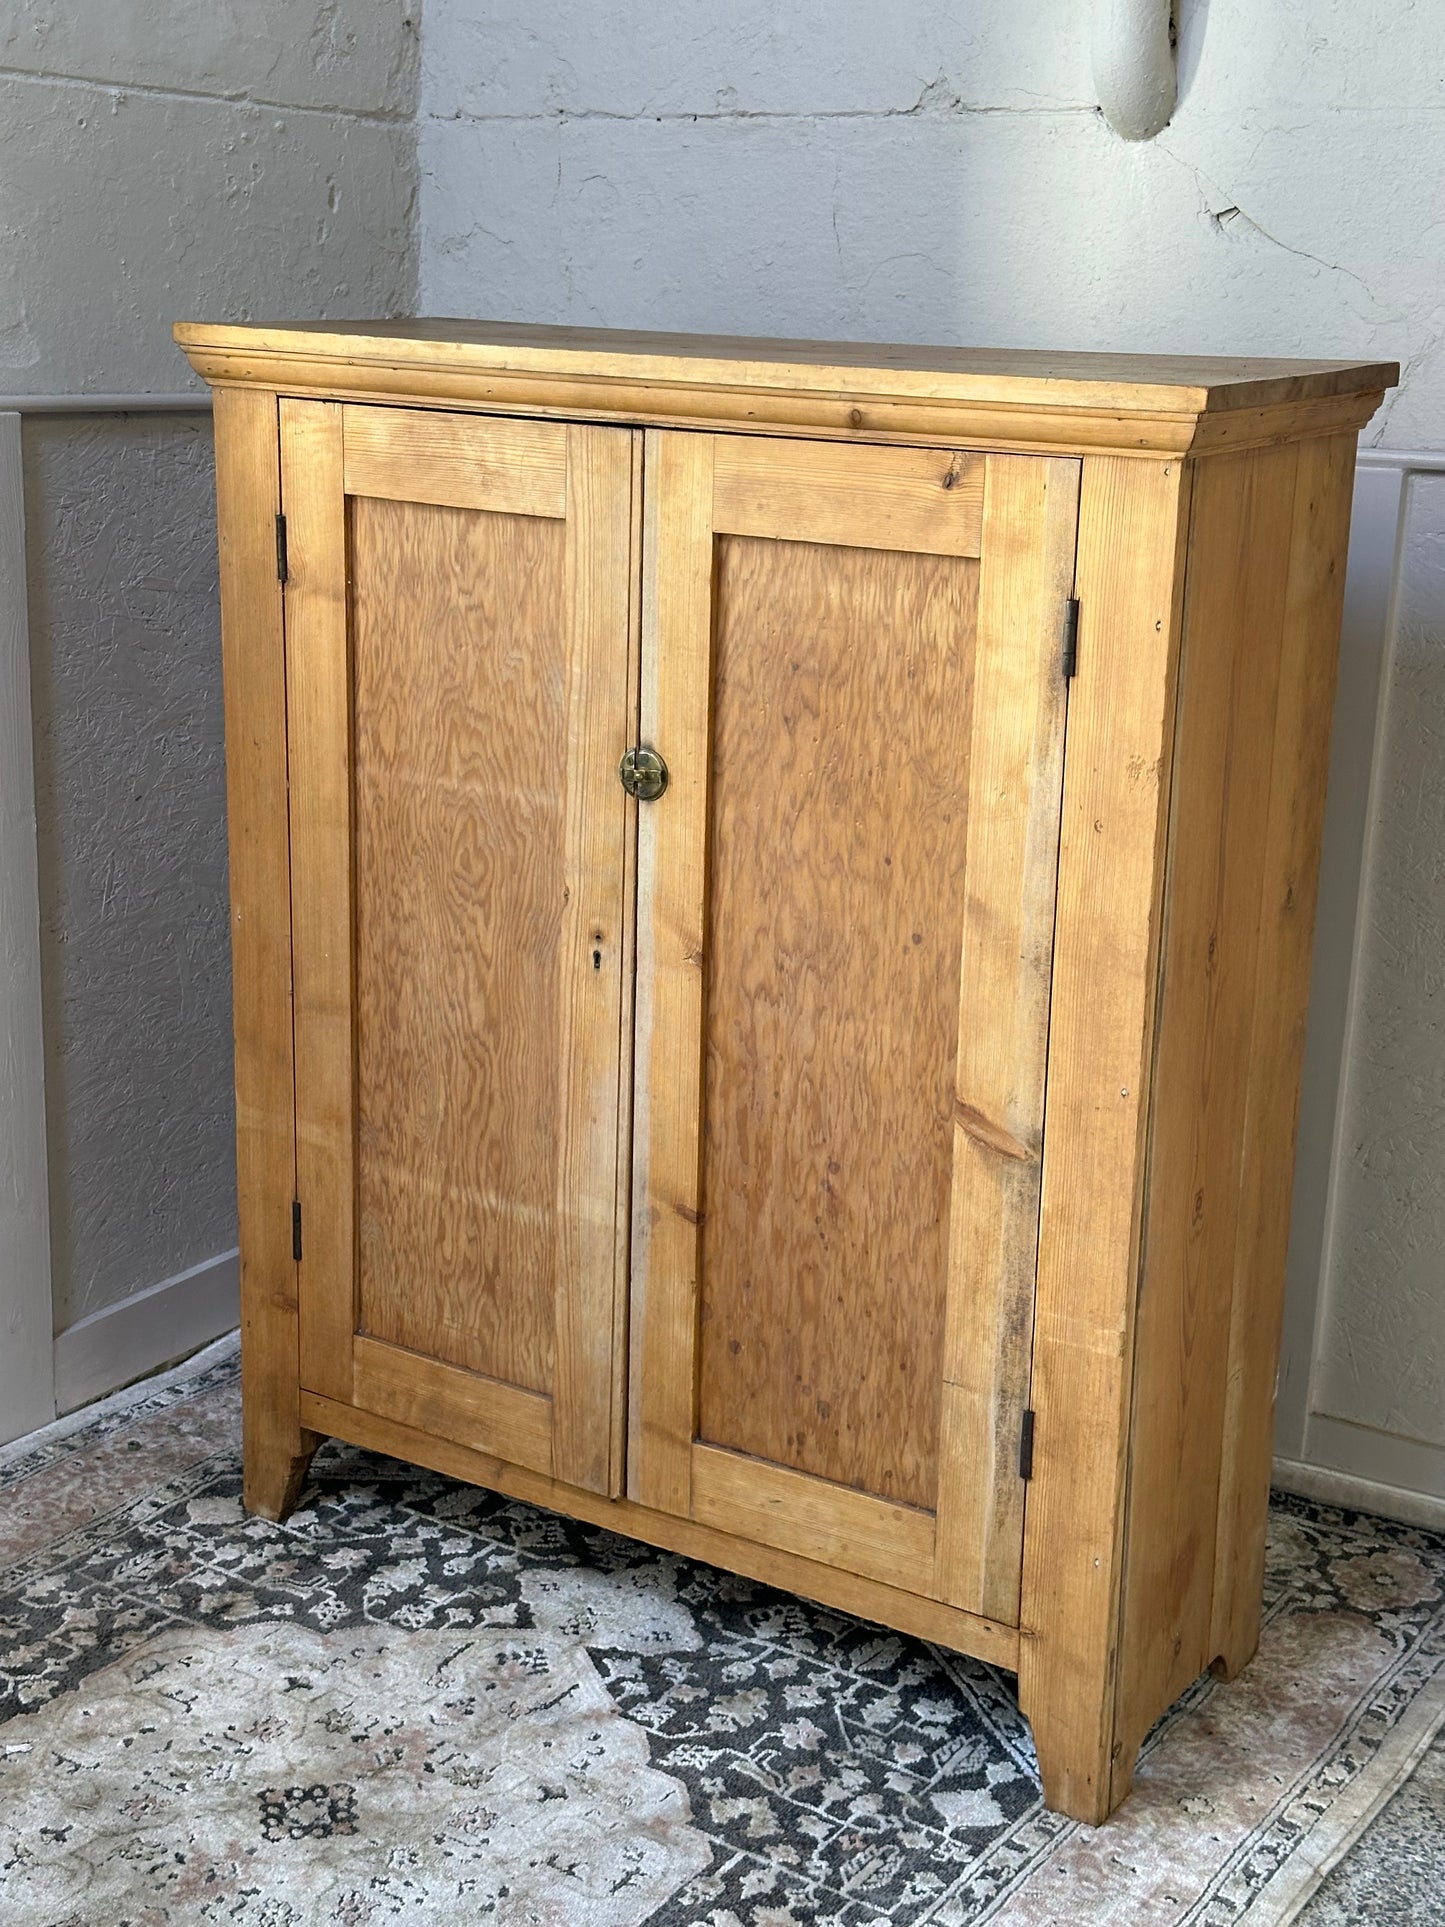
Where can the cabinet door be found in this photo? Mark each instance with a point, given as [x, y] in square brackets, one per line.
[459, 613]
[852, 665]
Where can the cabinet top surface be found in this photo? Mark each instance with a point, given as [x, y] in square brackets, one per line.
[743, 379]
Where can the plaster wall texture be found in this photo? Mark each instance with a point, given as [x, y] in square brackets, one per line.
[160, 159]
[129, 767]
[940, 172]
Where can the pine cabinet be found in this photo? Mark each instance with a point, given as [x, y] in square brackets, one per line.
[772, 892]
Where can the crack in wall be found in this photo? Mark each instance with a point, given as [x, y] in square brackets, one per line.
[1224, 210]
[147, 90]
[963, 110]
[1410, 363]
[937, 100]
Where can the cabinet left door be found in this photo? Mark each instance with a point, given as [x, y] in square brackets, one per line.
[460, 618]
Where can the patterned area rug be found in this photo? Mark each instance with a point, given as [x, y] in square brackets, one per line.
[419, 1702]
[1394, 1874]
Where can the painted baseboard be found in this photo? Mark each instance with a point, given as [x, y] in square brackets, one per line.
[151, 1328]
[1361, 1495]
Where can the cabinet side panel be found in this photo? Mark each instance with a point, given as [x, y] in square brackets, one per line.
[1106, 946]
[1242, 507]
[248, 495]
[1308, 665]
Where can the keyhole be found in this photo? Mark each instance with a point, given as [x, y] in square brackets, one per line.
[596, 959]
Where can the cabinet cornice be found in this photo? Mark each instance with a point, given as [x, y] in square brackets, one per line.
[1028, 399]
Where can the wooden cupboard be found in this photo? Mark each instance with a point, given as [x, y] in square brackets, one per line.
[847, 1138]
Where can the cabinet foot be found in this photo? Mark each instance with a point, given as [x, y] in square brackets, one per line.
[1082, 1780]
[1237, 1622]
[1232, 1661]
[274, 1474]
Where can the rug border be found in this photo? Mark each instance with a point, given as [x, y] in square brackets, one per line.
[1292, 1886]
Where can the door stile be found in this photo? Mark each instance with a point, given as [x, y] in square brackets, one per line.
[318, 697]
[671, 924]
[590, 1298]
[622, 1207]
[1026, 573]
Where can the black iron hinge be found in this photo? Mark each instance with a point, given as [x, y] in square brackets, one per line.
[282, 567]
[1071, 635]
[296, 1229]
[1026, 1446]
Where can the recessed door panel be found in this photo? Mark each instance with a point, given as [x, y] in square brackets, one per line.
[460, 764]
[459, 619]
[839, 797]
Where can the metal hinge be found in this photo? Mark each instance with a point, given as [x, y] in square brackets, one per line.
[282, 567]
[1026, 1446]
[296, 1229]
[1071, 636]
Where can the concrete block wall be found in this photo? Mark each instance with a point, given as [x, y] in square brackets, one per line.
[941, 172]
[938, 173]
[159, 159]
[244, 157]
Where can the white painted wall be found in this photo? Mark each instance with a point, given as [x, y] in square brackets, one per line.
[1376, 1402]
[158, 159]
[940, 172]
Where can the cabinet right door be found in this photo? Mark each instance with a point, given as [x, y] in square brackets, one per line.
[852, 667]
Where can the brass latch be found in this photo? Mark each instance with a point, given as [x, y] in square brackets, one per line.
[643, 774]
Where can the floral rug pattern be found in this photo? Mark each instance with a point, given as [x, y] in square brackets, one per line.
[418, 1701]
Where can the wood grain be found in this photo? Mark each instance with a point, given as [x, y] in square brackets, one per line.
[830, 1523]
[591, 1302]
[318, 688]
[889, 1605]
[1028, 400]
[463, 1406]
[1241, 512]
[455, 461]
[864, 750]
[1132, 528]
[1290, 861]
[838, 819]
[1030, 524]
[671, 885]
[248, 493]
[462, 827]
[627, 1085]
[928, 500]
[461, 763]
[871, 411]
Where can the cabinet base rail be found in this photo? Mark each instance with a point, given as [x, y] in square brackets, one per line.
[891, 1606]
